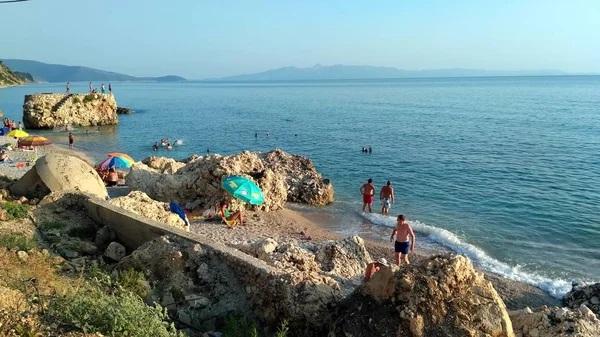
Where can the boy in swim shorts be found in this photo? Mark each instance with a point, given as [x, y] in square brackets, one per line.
[367, 190]
[403, 231]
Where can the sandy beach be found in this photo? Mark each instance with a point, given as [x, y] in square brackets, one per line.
[285, 226]
[11, 170]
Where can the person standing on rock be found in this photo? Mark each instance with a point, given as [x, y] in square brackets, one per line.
[387, 197]
[403, 231]
[102, 88]
[110, 88]
[68, 89]
[90, 87]
[71, 141]
[367, 190]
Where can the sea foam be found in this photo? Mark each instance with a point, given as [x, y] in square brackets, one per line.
[556, 287]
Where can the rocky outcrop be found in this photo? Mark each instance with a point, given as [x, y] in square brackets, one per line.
[346, 258]
[584, 295]
[46, 111]
[441, 296]
[141, 204]
[10, 78]
[198, 181]
[57, 172]
[123, 111]
[555, 322]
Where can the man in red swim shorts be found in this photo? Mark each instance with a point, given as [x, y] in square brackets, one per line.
[367, 190]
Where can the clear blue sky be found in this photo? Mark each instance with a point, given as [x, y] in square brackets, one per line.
[212, 38]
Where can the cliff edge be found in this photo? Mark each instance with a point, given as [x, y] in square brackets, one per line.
[10, 78]
[46, 111]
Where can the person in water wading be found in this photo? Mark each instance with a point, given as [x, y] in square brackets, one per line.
[367, 190]
[387, 197]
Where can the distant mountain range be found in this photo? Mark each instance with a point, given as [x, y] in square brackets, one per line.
[43, 72]
[344, 72]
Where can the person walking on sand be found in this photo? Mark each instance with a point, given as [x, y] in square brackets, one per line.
[90, 87]
[110, 88]
[71, 141]
[403, 231]
[368, 191]
[68, 89]
[387, 197]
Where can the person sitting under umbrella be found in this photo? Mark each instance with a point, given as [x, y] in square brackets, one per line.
[230, 218]
[113, 178]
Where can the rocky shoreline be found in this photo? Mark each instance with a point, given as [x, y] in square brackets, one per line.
[268, 271]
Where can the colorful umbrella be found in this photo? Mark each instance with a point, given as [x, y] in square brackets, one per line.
[35, 141]
[243, 189]
[114, 162]
[17, 134]
[122, 155]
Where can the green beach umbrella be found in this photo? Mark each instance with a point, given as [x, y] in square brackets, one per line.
[243, 189]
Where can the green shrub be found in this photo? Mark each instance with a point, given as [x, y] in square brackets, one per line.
[83, 232]
[134, 281]
[16, 211]
[16, 240]
[283, 329]
[76, 100]
[89, 98]
[236, 326]
[47, 225]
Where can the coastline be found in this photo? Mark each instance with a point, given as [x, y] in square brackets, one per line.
[285, 226]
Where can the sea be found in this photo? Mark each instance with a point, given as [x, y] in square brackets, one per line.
[505, 170]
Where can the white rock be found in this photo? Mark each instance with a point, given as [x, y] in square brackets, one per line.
[115, 251]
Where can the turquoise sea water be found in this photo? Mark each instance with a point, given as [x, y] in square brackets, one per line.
[505, 170]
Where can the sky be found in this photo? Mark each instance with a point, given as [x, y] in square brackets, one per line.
[213, 38]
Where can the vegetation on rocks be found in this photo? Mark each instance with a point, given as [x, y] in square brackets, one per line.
[16, 211]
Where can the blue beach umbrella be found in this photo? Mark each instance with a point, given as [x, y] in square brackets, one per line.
[243, 189]
[175, 208]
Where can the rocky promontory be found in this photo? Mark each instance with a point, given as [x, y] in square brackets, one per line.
[196, 182]
[46, 111]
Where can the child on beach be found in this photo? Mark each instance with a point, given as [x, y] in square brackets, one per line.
[403, 231]
[71, 140]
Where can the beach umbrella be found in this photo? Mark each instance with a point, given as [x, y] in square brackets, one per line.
[17, 134]
[175, 208]
[122, 155]
[114, 162]
[35, 141]
[243, 189]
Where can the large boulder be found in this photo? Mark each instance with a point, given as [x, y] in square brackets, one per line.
[140, 203]
[440, 296]
[555, 322]
[56, 172]
[46, 111]
[346, 258]
[197, 181]
[584, 295]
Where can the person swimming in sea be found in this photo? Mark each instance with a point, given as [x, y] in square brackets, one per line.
[163, 142]
[169, 147]
[155, 146]
[208, 150]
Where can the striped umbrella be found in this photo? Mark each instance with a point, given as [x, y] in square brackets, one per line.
[35, 141]
[122, 155]
[114, 162]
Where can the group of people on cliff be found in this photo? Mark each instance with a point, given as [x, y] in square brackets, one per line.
[12, 125]
[92, 89]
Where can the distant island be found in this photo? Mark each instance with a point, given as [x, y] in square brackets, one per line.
[349, 72]
[44, 72]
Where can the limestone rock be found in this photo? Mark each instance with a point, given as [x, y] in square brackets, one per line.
[263, 248]
[282, 177]
[115, 251]
[104, 236]
[140, 203]
[123, 111]
[588, 295]
[347, 258]
[4, 215]
[555, 322]
[440, 296]
[57, 172]
[46, 111]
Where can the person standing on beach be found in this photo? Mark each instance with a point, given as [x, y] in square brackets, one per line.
[90, 87]
[403, 231]
[71, 141]
[20, 126]
[110, 88]
[68, 89]
[387, 197]
[368, 191]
